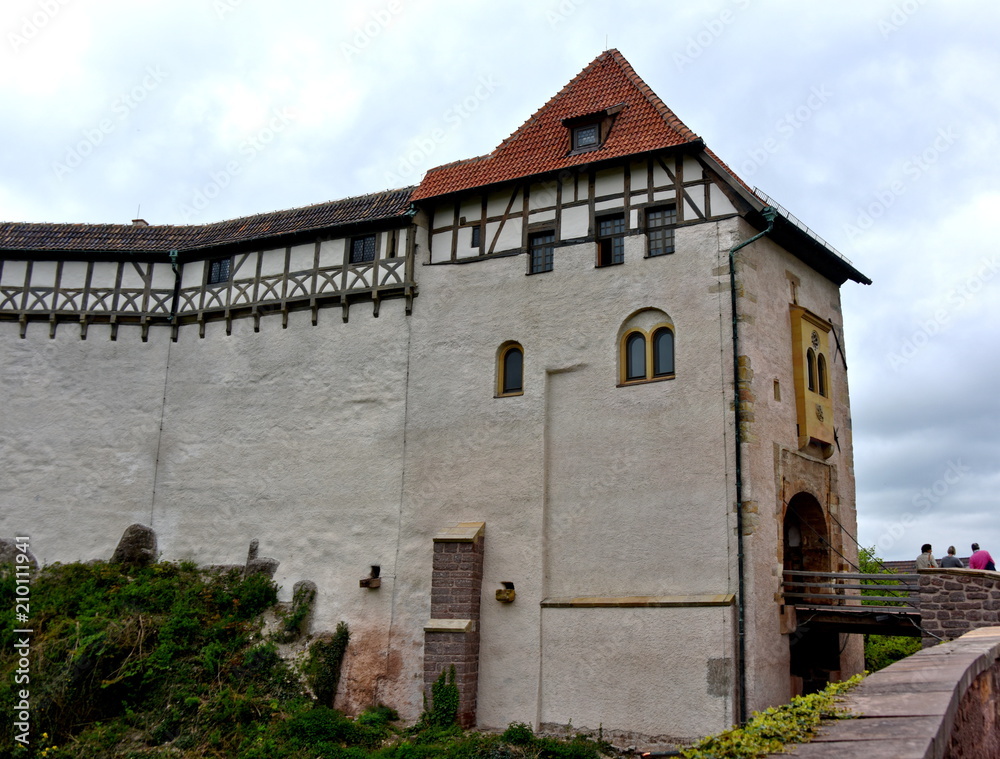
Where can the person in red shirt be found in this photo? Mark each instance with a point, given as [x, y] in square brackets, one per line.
[981, 559]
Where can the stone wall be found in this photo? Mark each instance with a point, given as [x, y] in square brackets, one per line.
[955, 601]
[451, 637]
[941, 703]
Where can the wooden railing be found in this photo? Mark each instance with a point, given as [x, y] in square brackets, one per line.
[872, 592]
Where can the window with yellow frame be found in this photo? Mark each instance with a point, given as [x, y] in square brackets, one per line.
[646, 355]
[813, 396]
[510, 370]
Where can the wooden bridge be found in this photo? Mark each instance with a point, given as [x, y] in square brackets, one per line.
[880, 604]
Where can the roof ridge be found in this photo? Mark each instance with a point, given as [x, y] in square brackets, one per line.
[565, 89]
[673, 121]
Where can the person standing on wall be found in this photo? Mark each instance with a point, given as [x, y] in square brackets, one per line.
[981, 559]
[951, 561]
[926, 559]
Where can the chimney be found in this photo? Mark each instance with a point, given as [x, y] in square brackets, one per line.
[140, 223]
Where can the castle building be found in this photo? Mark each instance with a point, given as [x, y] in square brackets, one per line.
[558, 416]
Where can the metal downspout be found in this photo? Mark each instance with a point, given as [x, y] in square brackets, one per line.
[177, 286]
[769, 214]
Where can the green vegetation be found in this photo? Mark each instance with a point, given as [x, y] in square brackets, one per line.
[768, 731]
[883, 650]
[444, 701]
[322, 668]
[170, 660]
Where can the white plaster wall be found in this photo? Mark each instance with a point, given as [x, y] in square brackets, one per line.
[290, 436]
[74, 274]
[584, 487]
[13, 273]
[575, 222]
[601, 663]
[78, 436]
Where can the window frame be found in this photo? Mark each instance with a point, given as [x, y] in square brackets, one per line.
[822, 378]
[476, 240]
[211, 278]
[613, 243]
[361, 239]
[545, 254]
[576, 131]
[503, 352]
[666, 229]
[625, 376]
[654, 347]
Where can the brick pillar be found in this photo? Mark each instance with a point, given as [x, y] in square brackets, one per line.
[451, 637]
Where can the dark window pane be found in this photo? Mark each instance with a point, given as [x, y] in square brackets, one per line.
[363, 249]
[218, 270]
[541, 247]
[513, 365]
[585, 137]
[663, 353]
[476, 232]
[811, 369]
[635, 357]
[659, 223]
[611, 240]
[612, 225]
[821, 371]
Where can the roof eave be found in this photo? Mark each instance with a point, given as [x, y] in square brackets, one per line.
[824, 259]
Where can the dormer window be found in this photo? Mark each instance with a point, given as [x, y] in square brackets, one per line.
[585, 137]
[589, 131]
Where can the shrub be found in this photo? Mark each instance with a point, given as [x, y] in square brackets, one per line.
[768, 731]
[322, 667]
[444, 701]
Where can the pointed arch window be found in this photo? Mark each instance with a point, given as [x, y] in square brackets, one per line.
[510, 370]
[811, 369]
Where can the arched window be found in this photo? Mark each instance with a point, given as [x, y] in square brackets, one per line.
[510, 370]
[663, 352]
[811, 369]
[821, 374]
[646, 348]
[635, 357]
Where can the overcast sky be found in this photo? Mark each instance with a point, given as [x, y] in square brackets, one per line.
[876, 123]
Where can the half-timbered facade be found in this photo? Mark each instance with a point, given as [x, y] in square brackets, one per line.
[603, 403]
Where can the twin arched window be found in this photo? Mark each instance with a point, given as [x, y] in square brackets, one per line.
[647, 356]
[816, 372]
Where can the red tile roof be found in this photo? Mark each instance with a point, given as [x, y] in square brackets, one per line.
[541, 144]
[123, 238]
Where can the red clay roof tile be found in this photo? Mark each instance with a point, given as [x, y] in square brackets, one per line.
[541, 144]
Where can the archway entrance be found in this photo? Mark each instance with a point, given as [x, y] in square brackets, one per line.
[814, 654]
[807, 539]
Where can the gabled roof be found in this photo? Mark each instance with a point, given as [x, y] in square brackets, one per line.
[541, 144]
[123, 238]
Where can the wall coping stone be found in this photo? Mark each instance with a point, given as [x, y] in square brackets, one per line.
[590, 602]
[450, 625]
[908, 709]
[463, 532]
